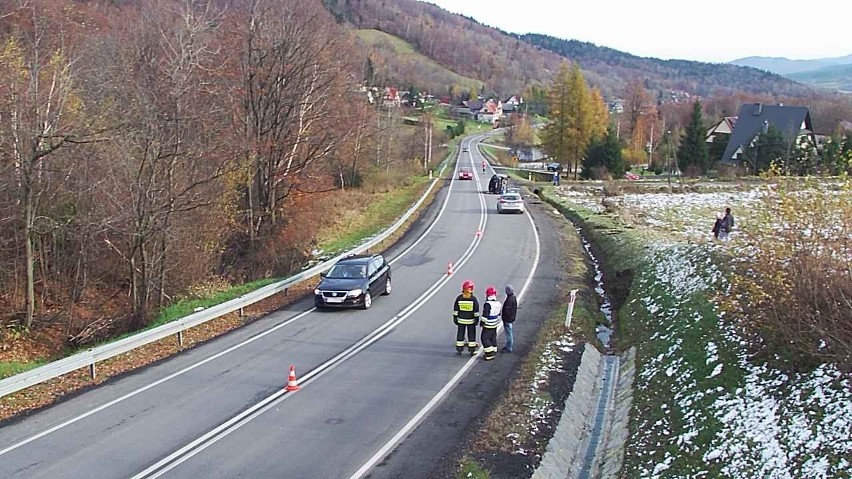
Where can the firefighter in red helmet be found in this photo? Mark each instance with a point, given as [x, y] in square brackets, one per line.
[466, 317]
[490, 321]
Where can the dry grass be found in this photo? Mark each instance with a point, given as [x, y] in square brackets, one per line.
[795, 283]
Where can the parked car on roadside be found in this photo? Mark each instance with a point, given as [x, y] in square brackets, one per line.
[554, 167]
[353, 282]
[510, 202]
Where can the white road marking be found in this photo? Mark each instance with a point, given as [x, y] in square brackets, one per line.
[440, 395]
[142, 389]
[200, 444]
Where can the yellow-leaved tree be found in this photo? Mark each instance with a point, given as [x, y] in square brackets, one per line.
[577, 115]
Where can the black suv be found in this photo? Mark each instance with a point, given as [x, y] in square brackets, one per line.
[353, 281]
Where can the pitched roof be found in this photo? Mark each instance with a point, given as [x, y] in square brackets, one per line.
[725, 125]
[791, 121]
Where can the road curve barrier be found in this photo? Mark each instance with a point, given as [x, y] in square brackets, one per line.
[91, 357]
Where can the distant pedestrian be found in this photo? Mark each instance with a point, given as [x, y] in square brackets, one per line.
[727, 225]
[509, 313]
[490, 320]
[555, 178]
[717, 226]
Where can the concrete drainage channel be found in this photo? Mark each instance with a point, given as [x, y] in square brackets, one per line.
[590, 437]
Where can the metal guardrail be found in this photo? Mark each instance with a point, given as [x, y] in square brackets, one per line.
[92, 356]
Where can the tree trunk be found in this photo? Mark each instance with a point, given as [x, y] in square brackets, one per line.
[29, 259]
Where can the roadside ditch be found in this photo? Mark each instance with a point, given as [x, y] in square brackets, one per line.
[590, 438]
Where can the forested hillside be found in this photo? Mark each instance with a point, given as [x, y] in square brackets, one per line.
[506, 65]
[704, 79]
[510, 64]
[148, 147]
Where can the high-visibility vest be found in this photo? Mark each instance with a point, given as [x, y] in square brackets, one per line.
[466, 310]
[492, 319]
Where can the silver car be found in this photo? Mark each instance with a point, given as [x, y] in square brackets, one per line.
[510, 202]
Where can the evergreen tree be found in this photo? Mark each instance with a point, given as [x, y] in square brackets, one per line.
[604, 153]
[717, 148]
[765, 149]
[692, 156]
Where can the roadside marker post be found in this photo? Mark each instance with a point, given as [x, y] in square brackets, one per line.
[570, 313]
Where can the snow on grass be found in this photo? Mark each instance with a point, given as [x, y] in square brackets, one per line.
[542, 405]
[699, 389]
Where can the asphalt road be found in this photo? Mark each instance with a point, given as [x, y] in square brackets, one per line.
[378, 387]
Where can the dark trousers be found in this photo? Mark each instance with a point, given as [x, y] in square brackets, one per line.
[470, 329]
[489, 343]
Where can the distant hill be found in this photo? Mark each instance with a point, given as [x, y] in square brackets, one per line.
[785, 66]
[704, 79]
[835, 77]
[507, 64]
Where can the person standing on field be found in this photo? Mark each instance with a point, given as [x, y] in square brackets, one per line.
[466, 317]
[490, 321]
[727, 225]
[509, 313]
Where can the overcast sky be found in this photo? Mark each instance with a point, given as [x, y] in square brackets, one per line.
[714, 31]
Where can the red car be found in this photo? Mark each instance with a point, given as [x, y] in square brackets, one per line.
[465, 174]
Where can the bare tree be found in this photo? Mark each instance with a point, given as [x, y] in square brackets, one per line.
[293, 80]
[41, 113]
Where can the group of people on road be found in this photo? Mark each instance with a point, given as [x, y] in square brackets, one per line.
[467, 316]
[723, 226]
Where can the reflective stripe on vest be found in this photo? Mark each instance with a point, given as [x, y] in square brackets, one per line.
[467, 314]
[493, 319]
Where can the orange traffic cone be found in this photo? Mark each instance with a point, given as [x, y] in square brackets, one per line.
[291, 381]
[450, 269]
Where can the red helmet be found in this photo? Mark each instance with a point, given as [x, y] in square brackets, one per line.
[467, 285]
[491, 291]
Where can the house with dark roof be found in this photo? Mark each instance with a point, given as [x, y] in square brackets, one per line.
[755, 118]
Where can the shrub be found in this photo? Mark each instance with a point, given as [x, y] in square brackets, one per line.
[794, 282]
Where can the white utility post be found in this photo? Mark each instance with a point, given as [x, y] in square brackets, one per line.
[570, 313]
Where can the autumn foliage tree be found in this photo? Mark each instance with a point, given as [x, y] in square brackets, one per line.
[577, 115]
[149, 147]
[794, 284]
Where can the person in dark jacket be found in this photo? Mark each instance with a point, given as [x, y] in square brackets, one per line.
[466, 317]
[717, 227]
[727, 225]
[509, 313]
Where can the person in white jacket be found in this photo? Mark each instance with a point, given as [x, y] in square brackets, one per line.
[490, 320]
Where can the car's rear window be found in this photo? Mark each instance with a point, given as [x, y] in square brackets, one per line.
[511, 197]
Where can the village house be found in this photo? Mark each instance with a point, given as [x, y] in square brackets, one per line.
[794, 123]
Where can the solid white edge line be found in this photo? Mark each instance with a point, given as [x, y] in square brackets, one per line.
[154, 384]
[142, 389]
[414, 421]
[211, 437]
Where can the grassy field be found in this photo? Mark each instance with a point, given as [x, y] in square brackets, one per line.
[703, 405]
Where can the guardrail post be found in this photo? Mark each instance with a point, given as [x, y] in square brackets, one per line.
[286, 291]
[180, 338]
[430, 174]
[242, 313]
[92, 371]
[529, 175]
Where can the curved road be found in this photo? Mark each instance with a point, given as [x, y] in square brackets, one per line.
[368, 378]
